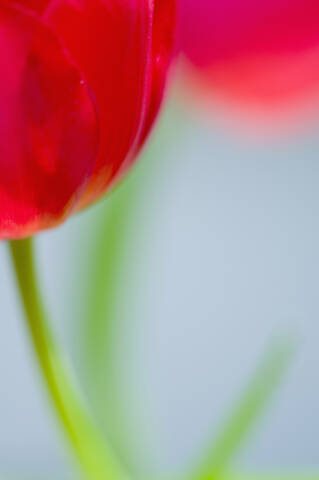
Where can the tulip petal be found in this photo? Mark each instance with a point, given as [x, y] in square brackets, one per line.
[35, 6]
[163, 39]
[48, 127]
[256, 52]
[110, 41]
[212, 30]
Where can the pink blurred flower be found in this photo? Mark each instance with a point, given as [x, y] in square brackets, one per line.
[260, 55]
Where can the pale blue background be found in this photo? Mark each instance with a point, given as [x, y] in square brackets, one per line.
[226, 253]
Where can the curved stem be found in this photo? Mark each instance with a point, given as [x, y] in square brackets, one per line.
[94, 455]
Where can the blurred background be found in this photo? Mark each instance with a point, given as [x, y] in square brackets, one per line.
[217, 251]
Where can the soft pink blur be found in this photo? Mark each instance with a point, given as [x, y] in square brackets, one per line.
[262, 55]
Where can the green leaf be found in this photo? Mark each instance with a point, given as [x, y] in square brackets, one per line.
[291, 476]
[247, 411]
[110, 258]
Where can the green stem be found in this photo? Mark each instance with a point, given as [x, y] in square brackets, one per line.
[248, 409]
[94, 455]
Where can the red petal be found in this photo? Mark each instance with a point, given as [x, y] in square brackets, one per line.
[110, 40]
[48, 127]
[212, 30]
[36, 6]
[258, 52]
[162, 47]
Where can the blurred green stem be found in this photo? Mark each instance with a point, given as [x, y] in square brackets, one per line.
[247, 410]
[95, 457]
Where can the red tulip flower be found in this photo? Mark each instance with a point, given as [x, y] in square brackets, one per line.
[81, 83]
[259, 54]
